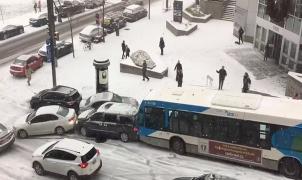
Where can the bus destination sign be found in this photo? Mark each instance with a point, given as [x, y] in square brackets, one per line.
[235, 152]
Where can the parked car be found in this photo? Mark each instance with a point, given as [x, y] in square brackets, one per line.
[209, 176]
[7, 137]
[62, 48]
[67, 157]
[90, 32]
[10, 31]
[70, 8]
[58, 95]
[34, 61]
[91, 4]
[96, 100]
[134, 12]
[112, 20]
[111, 120]
[46, 120]
[40, 19]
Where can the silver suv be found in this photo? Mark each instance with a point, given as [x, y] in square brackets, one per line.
[68, 157]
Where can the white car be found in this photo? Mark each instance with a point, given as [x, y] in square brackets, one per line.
[90, 32]
[46, 120]
[68, 157]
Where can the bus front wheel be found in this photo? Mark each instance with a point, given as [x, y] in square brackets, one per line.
[178, 146]
[290, 168]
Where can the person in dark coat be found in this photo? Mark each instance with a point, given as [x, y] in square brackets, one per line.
[144, 71]
[35, 7]
[127, 51]
[28, 72]
[222, 74]
[266, 51]
[246, 83]
[177, 67]
[240, 34]
[161, 45]
[123, 49]
[179, 77]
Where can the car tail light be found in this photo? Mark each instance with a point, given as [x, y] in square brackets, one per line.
[83, 165]
[71, 120]
[98, 152]
[135, 129]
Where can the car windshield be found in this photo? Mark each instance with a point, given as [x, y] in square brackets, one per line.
[63, 111]
[117, 98]
[128, 11]
[88, 101]
[19, 62]
[31, 116]
[49, 147]
[89, 155]
[91, 112]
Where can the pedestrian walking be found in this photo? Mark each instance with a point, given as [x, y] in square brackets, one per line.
[28, 72]
[177, 67]
[266, 52]
[240, 34]
[161, 45]
[123, 49]
[39, 5]
[144, 71]
[246, 83]
[127, 51]
[179, 77]
[35, 7]
[222, 74]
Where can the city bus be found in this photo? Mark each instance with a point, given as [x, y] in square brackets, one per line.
[246, 128]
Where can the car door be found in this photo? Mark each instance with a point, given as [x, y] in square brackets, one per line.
[51, 122]
[111, 122]
[95, 123]
[55, 161]
[38, 125]
[48, 99]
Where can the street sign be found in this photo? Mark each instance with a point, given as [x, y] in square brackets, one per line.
[177, 11]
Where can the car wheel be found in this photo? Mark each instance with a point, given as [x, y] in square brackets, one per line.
[59, 130]
[38, 168]
[73, 176]
[22, 134]
[178, 146]
[83, 131]
[290, 168]
[124, 137]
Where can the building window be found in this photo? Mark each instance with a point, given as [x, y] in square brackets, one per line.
[262, 46]
[291, 64]
[263, 36]
[289, 24]
[293, 50]
[256, 44]
[258, 30]
[297, 25]
[261, 10]
[285, 46]
[284, 59]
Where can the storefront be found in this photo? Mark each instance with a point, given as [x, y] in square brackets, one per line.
[283, 34]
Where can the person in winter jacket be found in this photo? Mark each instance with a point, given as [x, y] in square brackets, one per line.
[127, 51]
[240, 34]
[246, 83]
[123, 49]
[144, 71]
[28, 72]
[161, 45]
[179, 77]
[266, 52]
[222, 74]
[177, 67]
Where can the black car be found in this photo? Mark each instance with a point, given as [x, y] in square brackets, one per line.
[62, 48]
[10, 31]
[70, 8]
[209, 176]
[40, 19]
[113, 20]
[58, 95]
[110, 120]
[91, 4]
[134, 12]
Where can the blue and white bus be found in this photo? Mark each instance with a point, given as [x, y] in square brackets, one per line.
[245, 128]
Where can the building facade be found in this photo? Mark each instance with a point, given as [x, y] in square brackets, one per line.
[278, 24]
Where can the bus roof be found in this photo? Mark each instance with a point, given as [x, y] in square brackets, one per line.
[245, 106]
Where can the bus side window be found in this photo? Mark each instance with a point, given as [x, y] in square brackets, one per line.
[250, 134]
[154, 118]
[265, 136]
[173, 121]
[207, 126]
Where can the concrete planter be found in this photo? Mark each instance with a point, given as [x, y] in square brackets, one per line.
[181, 29]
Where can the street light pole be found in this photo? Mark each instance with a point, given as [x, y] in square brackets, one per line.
[103, 20]
[149, 10]
[70, 24]
[52, 42]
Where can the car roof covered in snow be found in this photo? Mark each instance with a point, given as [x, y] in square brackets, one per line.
[53, 109]
[24, 57]
[103, 96]
[87, 30]
[118, 108]
[74, 146]
[133, 6]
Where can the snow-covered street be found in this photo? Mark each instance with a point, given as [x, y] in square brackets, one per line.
[201, 54]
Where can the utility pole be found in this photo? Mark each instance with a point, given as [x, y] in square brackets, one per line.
[70, 24]
[52, 42]
[103, 21]
[149, 10]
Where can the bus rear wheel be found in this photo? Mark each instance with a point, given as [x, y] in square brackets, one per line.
[290, 168]
[178, 146]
